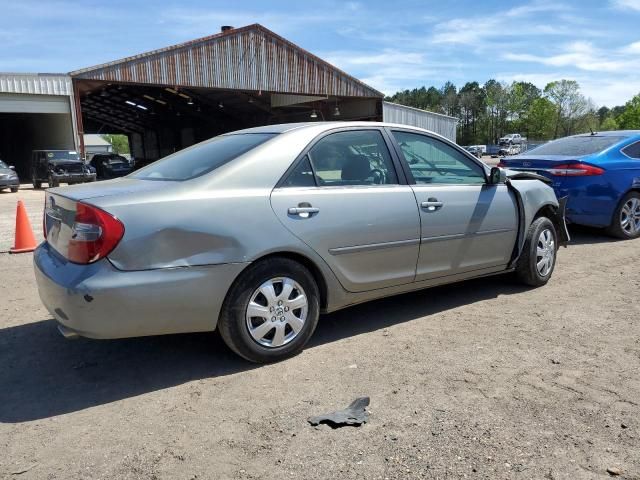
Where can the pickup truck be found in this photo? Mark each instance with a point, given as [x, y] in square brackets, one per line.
[512, 139]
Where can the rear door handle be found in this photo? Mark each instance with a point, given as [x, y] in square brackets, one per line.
[303, 211]
[431, 205]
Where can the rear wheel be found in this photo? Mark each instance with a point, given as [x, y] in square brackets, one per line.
[37, 184]
[271, 311]
[14, 189]
[626, 219]
[538, 258]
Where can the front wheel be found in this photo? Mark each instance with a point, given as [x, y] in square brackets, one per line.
[271, 311]
[538, 257]
[626, 219]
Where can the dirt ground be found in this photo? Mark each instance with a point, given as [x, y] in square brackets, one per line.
[483, 379]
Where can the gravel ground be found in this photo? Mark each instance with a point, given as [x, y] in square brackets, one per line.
[483, 379]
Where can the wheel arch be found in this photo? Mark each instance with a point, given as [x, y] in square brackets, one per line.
[305, 261]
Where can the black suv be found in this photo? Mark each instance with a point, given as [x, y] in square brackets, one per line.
[110, 165]
[59, 166]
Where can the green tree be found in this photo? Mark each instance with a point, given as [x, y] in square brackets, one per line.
[630, 118]
[120, 143]
[540, 118]
[569, 102]
[608, 124]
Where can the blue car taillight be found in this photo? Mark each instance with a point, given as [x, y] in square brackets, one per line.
[575, 170]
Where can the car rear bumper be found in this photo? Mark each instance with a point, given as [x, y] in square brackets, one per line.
[99, 301]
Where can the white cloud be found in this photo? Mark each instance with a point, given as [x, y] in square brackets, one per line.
[518, 21]
[583, 56]
[627, 4]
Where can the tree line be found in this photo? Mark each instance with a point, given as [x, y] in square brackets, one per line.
[487, 112]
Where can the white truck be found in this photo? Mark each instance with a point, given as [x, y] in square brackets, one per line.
[512, 139]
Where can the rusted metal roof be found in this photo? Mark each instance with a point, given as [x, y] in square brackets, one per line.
[250, 58]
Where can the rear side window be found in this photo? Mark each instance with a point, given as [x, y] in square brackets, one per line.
[354, 157]
[632, 150]
[301, 176]
[576, 146]
[202, 158]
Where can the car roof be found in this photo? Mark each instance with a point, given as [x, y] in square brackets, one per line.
[611, 133]
[328, 125]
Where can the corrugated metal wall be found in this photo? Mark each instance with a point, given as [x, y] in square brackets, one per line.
[36, 84]
[248, 58]
[441, 124]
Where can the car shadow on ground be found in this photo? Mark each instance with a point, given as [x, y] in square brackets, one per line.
[581, 235]
[42, 375]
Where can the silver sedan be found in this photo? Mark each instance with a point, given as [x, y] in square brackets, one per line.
[257, 232]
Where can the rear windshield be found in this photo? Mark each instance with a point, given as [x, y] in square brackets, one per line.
[202, 158]
[577, 146]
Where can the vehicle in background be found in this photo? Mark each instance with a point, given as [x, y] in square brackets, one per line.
[512, 139]
[256, 232]
[8, 177]
[59, 166]
[509, 150]
[475, 151]
[599, 172]
[110, 165]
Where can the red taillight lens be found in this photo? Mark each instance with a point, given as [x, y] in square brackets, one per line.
[501, 164]
[575, 170]
[95, 234]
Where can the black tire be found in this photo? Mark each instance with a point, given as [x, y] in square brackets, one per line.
[53, 183]
[233, 323]
[14, 189]
[526, 269]
[616, 229]
[37, 184]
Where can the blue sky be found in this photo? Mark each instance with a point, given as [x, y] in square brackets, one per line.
[390, 45]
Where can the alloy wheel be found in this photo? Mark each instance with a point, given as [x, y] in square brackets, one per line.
[276, 312]
[630, 217]
[545, 253]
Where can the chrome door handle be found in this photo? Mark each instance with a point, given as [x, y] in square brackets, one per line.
[303, 210]
[432, 205]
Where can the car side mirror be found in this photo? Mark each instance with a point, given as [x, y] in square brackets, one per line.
[497, 176]
[12, 167]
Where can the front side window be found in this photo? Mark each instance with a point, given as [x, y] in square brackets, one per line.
[202, 158]
[355, 157]
[433, 161]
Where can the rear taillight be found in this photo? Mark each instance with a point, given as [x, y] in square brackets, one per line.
[501, 164]
[575, 170]
[95, 234]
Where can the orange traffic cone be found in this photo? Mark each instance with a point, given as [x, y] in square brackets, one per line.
[25, 241]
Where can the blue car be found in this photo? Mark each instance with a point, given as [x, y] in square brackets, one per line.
[598, 172]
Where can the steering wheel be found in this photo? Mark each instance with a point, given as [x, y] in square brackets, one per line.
[415, 158]
[378, 175]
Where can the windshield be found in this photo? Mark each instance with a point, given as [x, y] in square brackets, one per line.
[63, 155]
[202, 158]
[3, 165]
[576, 146]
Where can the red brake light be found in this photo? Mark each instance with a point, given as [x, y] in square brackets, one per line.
[575, 170]
[95, 234]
